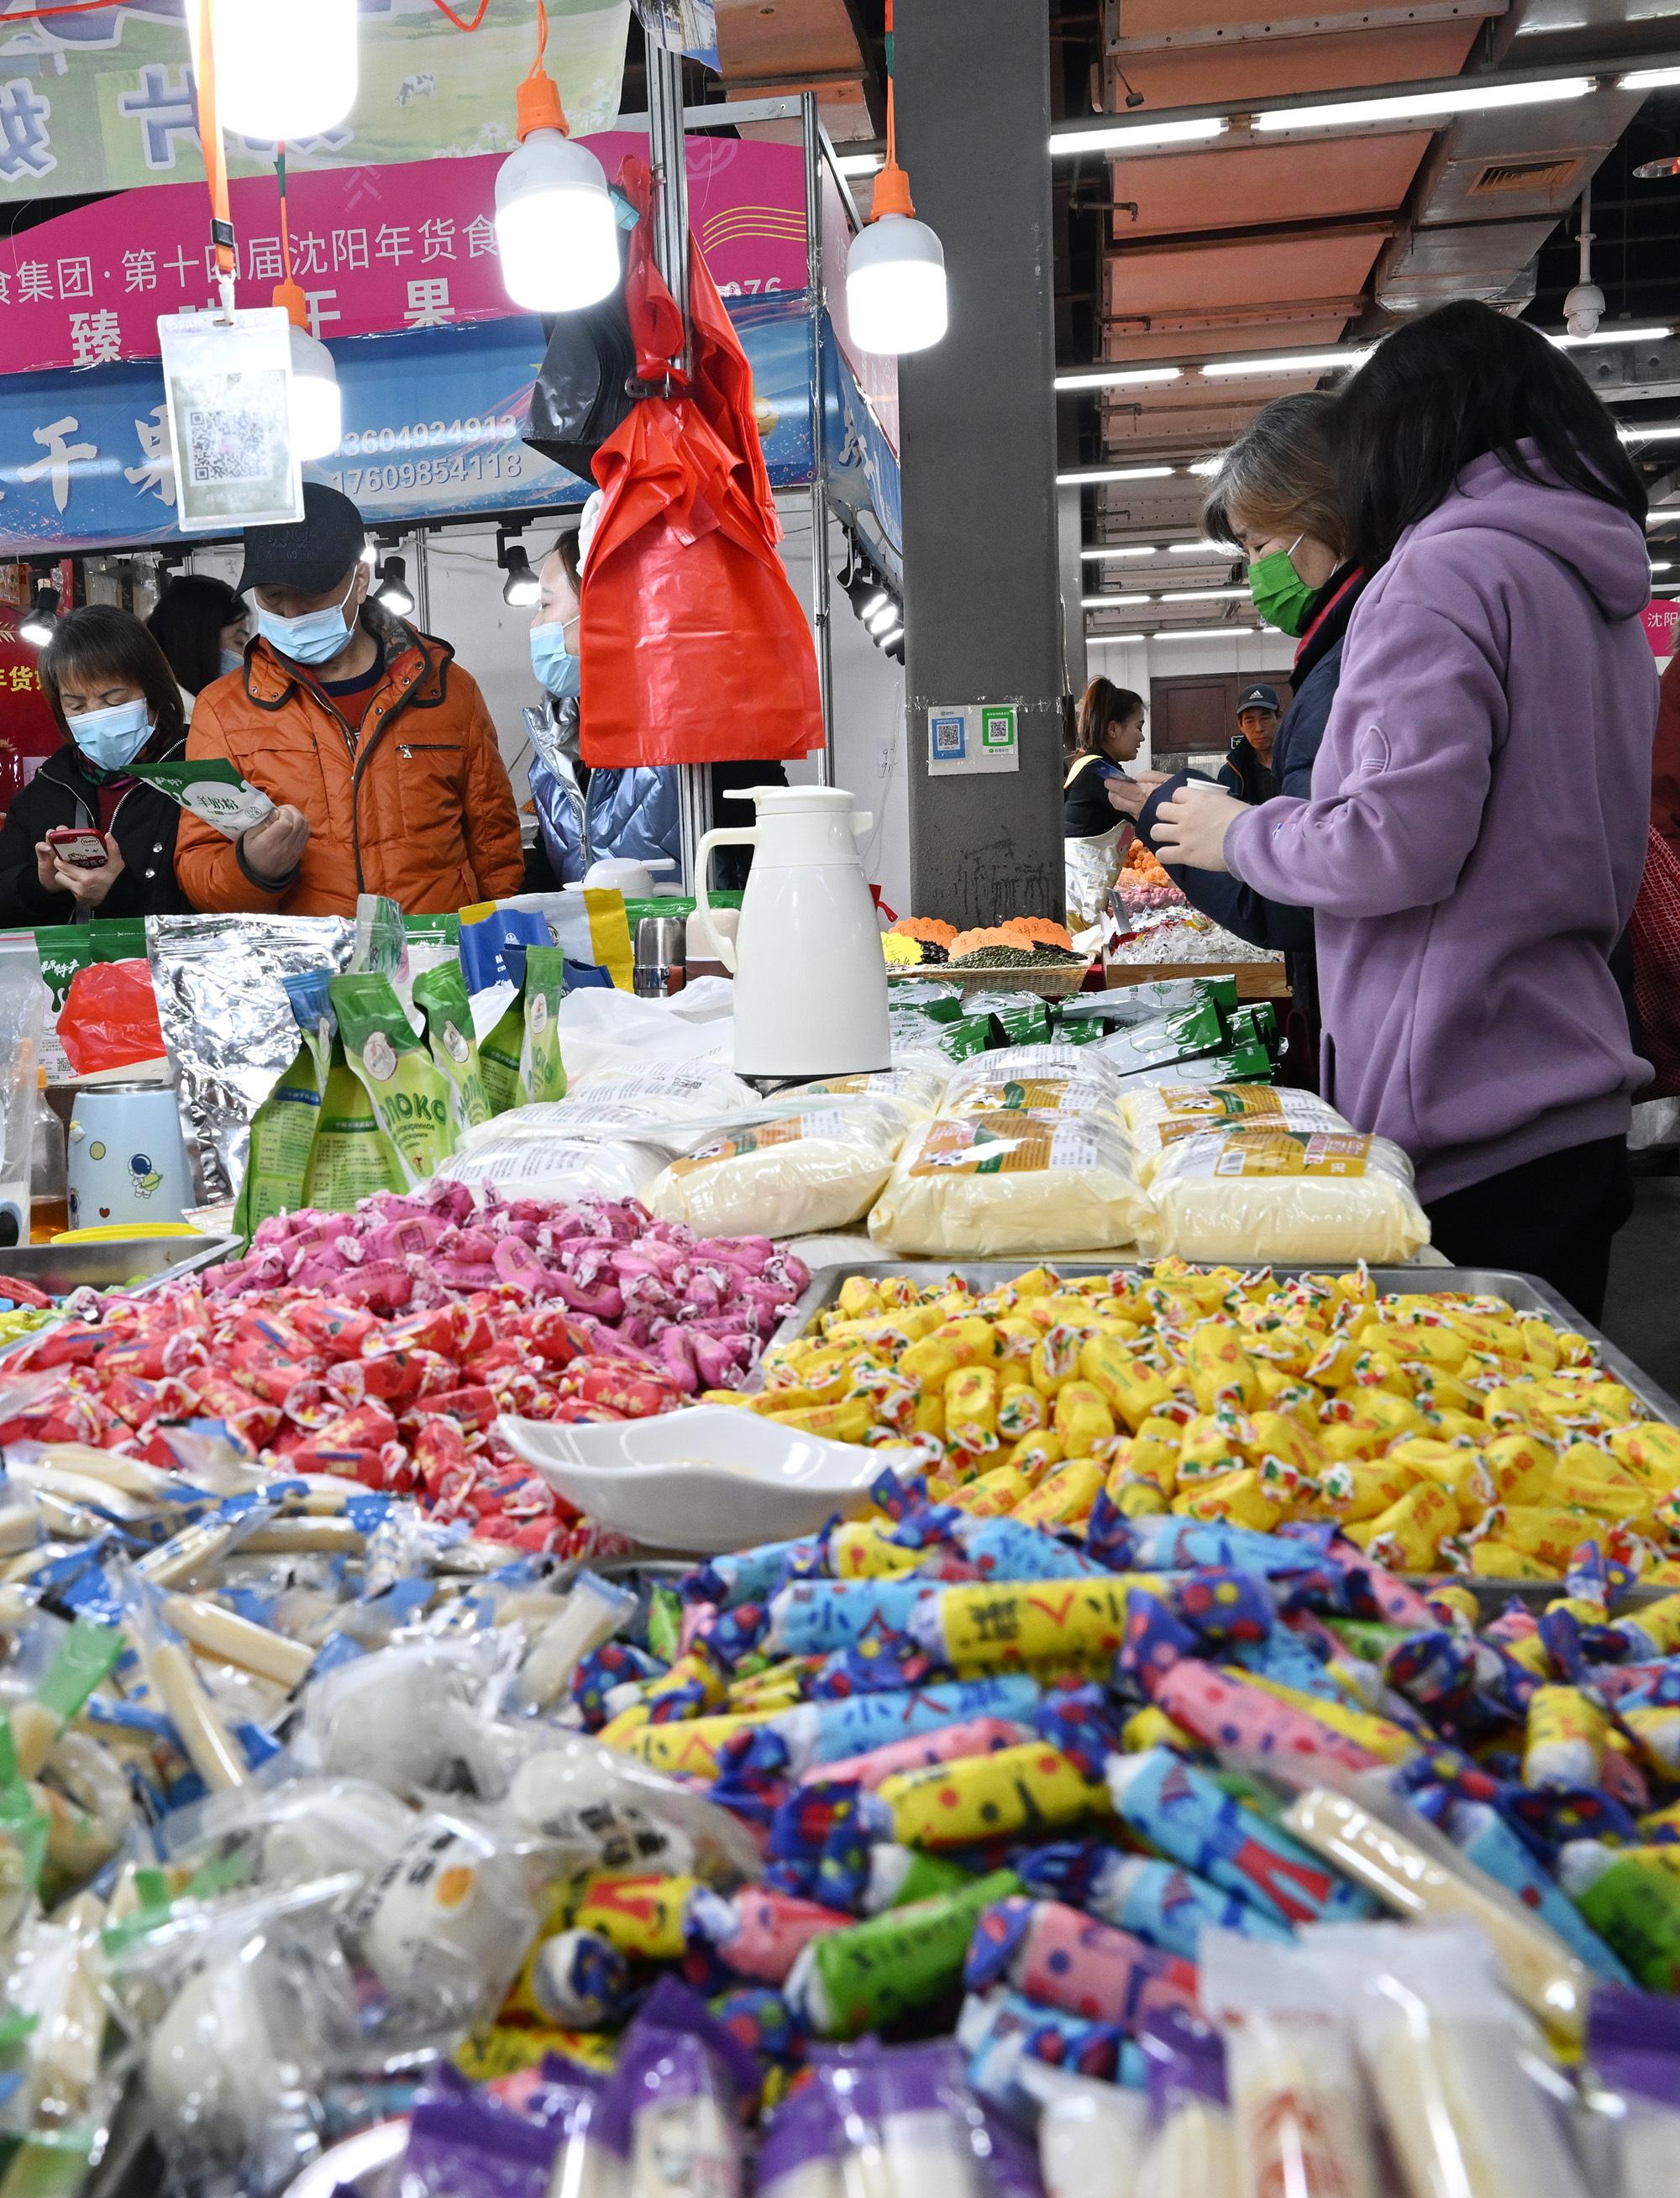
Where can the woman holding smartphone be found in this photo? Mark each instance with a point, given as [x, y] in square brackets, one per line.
[87, 839]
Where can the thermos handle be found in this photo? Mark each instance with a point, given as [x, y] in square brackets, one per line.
[745, 837]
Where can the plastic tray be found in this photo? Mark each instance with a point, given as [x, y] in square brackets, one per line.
[1526, 1292]
[140, 1263]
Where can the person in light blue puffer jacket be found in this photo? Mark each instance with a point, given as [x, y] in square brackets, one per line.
[587, 814]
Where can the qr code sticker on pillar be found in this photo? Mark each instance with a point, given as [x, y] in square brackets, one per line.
[223, 448]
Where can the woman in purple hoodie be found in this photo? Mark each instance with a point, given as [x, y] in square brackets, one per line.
[1474, 842]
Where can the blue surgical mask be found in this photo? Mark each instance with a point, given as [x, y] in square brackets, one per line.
[316, 637]
[559, 674]
[233, 659]
[112, 738]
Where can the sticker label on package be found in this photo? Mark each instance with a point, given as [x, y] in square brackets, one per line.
[1005, 1144]
[1293, 1152]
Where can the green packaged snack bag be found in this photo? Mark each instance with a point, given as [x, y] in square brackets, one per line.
[431, 930]
[1178, 1036]
[283, 1129]
[1025, 1022]
[500, 1051]
[351, 1158]
[409, 1093]
[542, 1070]
[440, 994]
[67, 949]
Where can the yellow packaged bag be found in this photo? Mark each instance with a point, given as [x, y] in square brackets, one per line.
[1285, 1195]
[991, 1185]
[1163, 1115]
[790, 1176]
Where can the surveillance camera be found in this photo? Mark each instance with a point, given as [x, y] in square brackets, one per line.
[1583, 309]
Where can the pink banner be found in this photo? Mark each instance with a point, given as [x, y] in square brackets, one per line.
[1662, 627]
[374, 250]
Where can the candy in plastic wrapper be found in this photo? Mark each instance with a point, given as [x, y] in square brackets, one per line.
[1091, 2135]
[1055, 1954]
[673, 2103]
[1192, 2145]
[759, 1933]
[1633, 2050]
[1185, 1814]
[1168, 1906]
[847, 1982]
[1297, 2098]
[980, 1797]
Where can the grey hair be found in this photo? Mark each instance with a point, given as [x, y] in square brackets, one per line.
[1279, 476]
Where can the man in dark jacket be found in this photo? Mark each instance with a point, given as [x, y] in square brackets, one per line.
[1247, 771]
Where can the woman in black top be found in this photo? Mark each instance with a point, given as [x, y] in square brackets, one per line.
[1095, 839]
[117, 704]
[202, 627]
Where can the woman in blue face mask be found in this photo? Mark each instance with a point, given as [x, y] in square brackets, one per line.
[117, 704]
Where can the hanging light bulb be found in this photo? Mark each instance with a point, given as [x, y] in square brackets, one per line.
[554, 224]
[284, 71]
[896, 293]
[36, 623]
[392, 591]
[317, 404]
[521, 588]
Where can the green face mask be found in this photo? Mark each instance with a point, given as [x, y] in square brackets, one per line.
[1281, 596]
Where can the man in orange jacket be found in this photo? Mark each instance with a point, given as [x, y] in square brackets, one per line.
[375, 745]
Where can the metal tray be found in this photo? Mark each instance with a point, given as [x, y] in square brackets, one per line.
[141, 1262]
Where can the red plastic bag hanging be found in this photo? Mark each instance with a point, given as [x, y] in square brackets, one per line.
[1656, 966]
[109, 1019]
[695, 647]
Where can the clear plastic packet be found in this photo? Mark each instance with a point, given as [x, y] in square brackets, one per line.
[471, 2143]
[295, 1831]
[54, 2027]
[911, 2126]
[1442, 2048]
[597, 1808]
[412, 1718]
[1279, 1194]
[1192, 2146]
[239, 2008]
[1091, 2135]
[1297, 2098]
[1012, 1184]
[591, 1613]
[803, 2148]
[672, 2109]
[1633, 2093]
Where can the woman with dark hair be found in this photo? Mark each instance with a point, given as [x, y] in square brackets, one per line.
[116, 703]
[1275, 497]
[1475, 837]
[200, 625]
[1110, 735]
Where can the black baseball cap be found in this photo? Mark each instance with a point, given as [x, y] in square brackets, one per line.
[311, 553]
[1252, 698]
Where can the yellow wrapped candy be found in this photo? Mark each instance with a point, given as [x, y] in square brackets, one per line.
[1590, 1477]
[1520, 1467]
[970, 1408]
[1237, 1496]
[1408, 1534]
[1543, 1532]
[1565, 1738]
[1131, 1390]
[1082, 1418]
[848, 1422]
[1064, 1496]
[1274, 1435]
[1154, 1453]
[1366, 1488]
[1020, 1410]
[999, 1626]
[646, 1917]
[1434, 1346]
[1213, 1443]
[1153, 1727]
[992, 1495]
[1650, 1450]
[980, 1797]
[687, 1745]
[1036, 1456]
[1494, 1559]
[863, 1549]
[1388, 1741]
[1220, 1370]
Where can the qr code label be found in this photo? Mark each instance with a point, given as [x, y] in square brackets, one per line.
[951, 738]
[225, 447]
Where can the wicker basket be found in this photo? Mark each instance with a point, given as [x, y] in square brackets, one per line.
[1048, 983]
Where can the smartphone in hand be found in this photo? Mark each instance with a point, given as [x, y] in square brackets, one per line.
[82, 848]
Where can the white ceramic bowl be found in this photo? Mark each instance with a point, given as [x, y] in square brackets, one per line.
[707, 1478]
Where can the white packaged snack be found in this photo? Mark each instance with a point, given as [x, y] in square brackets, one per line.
[1036, 1079]
[1091, 2135]
[916, 1087]
[997, 1185]
[1278, 1196]
[675, 1087]
[1158, 1115]
[793, 1176]
[529, 1159]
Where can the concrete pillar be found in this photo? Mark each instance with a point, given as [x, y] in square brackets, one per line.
[983, 551]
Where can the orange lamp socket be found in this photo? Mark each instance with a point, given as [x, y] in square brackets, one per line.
[290, 296]
[893, 192]
[538, 106]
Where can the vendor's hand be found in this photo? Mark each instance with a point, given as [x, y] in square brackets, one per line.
[273, 848]
[1129, 795]
[46, 867]
[1191, 827]
[87, 888]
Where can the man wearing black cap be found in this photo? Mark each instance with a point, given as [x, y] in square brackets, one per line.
[374, 744]
[1246, 772]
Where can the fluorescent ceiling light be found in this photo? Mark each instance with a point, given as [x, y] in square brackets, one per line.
[1119, 550]
[1206, 596]
[1422, 106]
[1129, 136]
[1201, 632]
[1098, 474]
[1609, 335]
[1127, 377]
[1191, 550]
[860, 164]
[1665, 434]
[1662, 518]
[1655, 79]
[1662, 565]
[1292, 362]
[1107, 602]
[1205, 466]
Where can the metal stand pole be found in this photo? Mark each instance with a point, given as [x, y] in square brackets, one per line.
[820, 616]
[423, 582]
[669, 159]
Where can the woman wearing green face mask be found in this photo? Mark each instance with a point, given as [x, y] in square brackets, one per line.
[1275, 497]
